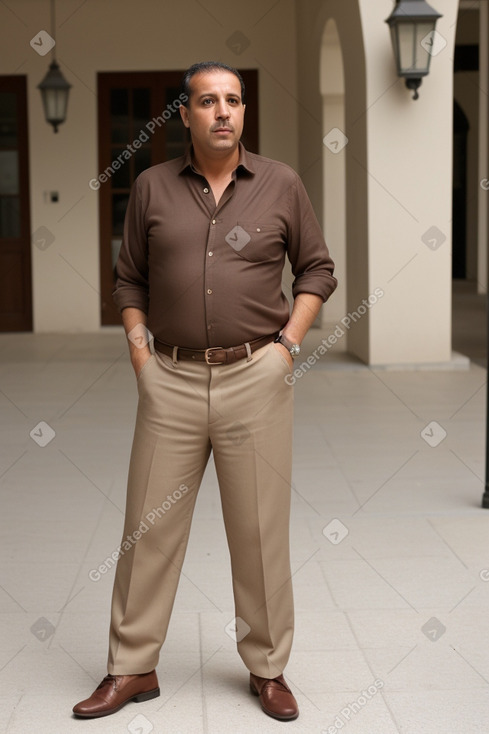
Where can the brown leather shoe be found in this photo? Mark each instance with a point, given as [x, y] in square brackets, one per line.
[275, 697]
[115, 691]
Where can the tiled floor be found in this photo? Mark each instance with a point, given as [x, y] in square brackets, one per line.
[389, 544]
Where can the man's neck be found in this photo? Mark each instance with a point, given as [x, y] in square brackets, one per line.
[216, 168]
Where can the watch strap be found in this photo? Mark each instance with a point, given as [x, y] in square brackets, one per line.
[281, 339]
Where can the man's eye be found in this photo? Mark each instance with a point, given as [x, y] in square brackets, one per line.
[207, 102]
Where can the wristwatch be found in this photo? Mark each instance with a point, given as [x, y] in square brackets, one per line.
[294, 349]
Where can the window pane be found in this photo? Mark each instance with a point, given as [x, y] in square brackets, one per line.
[142, 160]
[121, 178]
[177, 135]
[119, 206]
[119, 115]
[9, 216]
[141, 109]
[116, 243]
[8, 120]
[9, 172]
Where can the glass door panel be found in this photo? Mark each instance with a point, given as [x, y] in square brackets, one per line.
[15, 244]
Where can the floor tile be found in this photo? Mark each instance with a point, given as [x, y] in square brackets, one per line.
[388, 551]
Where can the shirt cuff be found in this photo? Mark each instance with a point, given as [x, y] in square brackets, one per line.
[318, 286]
[131, 297]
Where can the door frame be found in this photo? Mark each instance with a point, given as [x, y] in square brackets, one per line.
[109, 315]
[22, 320]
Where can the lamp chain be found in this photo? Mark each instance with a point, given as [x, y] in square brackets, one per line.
[53, 27]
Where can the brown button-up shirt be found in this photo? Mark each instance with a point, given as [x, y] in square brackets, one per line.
[210, 275]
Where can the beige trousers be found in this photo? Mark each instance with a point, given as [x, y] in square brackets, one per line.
[243, 413]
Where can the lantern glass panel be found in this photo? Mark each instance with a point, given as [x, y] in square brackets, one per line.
[414, 41]
[405, 35]
[55, 103]
[424, 45]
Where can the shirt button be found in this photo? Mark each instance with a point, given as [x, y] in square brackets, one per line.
[206, 190]
[209, 292]
[213, 221]
[258, 229]
[211, 254]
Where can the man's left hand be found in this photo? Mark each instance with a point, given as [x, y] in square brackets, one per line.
[286, 354]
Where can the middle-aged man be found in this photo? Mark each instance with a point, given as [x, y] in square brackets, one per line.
[200, 267]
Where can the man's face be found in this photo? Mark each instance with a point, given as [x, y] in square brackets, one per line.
[215, 113]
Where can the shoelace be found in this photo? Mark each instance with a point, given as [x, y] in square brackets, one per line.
[280, 683]
[106, 680]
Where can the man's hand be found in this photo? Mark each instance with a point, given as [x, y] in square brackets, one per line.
[306, 308]
[139, 360]
[285, 353]
[134, 319]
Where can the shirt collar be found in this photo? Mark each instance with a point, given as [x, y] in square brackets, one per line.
[244, 162]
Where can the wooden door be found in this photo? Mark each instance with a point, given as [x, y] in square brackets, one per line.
[139, 126]
[15, 234]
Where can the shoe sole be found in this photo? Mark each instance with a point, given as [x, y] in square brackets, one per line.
[138, 698]
[271, 713]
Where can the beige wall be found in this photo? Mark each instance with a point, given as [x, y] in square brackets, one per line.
[399, 172]
[322, 171]
[397, 162]
[410, 192]
[126, 35]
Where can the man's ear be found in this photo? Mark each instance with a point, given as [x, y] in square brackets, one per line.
[184, 115]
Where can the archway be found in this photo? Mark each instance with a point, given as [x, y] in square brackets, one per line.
[332, 88]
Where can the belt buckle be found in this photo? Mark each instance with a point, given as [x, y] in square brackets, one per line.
[206, 355]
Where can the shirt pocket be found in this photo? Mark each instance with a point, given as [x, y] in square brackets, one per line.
[257, 242]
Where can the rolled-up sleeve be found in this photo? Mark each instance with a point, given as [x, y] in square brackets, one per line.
[132, 287]
[308, 253]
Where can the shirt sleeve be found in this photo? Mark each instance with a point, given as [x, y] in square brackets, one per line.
[307, 251]
[132, 285]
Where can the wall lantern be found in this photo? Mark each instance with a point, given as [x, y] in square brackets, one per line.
[412, 24]
[54, 87]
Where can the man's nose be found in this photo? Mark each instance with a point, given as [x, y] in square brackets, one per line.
[222, 110]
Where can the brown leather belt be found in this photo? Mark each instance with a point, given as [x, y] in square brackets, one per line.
[215, 355]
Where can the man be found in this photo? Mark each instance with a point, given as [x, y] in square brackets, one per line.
[201, 267]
